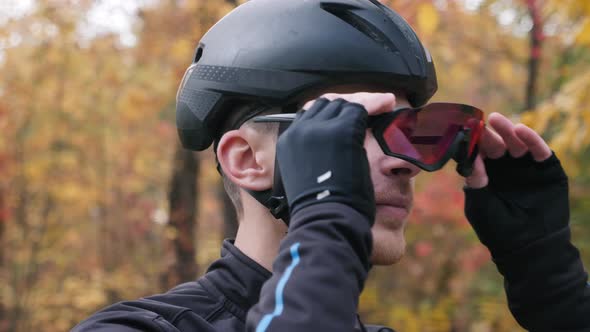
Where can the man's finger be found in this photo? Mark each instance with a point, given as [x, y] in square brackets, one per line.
[374, 103]
[505, 128]
[479, 178]
[308, 104]
[536, 144]
[491, 144]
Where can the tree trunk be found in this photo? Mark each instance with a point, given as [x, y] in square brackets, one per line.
[183, 210]
[3, 220]
[536, 40]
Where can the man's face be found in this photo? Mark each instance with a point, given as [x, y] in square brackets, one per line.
[393, 180]
[393, 185]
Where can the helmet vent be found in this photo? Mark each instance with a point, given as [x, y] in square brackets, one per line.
[344, 13]
[198, 54]
[403, 26]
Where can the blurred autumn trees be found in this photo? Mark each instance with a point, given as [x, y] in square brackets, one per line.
[94, 185]
[87, 145]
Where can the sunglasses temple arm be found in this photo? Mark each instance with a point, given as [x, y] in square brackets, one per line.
[282, 118]
[275, 120]
[465, 168]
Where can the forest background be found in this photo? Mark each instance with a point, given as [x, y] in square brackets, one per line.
[98, 203]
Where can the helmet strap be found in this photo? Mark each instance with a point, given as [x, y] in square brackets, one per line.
[275, 198]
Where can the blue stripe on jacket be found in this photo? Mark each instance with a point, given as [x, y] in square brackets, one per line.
[279, 304]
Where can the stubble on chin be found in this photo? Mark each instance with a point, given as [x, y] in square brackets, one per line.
[389, 243]
[389, 246]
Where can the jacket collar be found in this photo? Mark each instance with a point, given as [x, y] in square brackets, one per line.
[237, 276]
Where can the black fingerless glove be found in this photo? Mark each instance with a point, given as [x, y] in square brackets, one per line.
[524, 201]
[322, 159]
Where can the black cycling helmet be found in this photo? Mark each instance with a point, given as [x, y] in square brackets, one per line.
[275, 52]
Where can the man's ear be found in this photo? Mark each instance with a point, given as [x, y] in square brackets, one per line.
[245, 161]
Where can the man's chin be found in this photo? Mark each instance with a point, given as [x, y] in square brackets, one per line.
[389, 245]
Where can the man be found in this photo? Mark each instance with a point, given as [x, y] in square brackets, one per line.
[326, 194]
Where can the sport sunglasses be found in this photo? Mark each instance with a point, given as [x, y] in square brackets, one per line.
[427, 137]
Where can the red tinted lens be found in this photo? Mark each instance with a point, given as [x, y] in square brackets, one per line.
[426, 134]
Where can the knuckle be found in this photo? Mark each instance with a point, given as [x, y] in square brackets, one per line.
[330, 96]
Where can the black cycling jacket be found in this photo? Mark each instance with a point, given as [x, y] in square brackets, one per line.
[221, 299]
[319, 274]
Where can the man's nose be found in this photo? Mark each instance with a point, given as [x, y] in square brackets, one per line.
[391, 166]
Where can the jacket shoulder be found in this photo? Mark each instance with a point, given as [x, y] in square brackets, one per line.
[187, 306]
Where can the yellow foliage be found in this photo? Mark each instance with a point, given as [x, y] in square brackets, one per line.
[496, 316]
[404, 319]
[37, 170]
[68, 160]
[134, 105]
[69, 192]
[566, 115]
[540, 118]
[369, 298]
[182, 49]
[506, 71]
[427, 18]
[427, 318]
[578, 9]
[583, 36]
[83, 296]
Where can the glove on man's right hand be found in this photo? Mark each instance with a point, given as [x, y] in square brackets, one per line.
[322, 159]
[524, 201]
